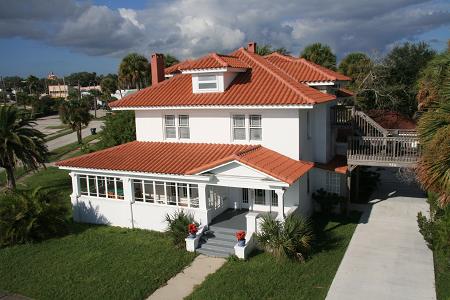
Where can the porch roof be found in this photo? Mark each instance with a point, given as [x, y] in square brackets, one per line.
[189, 159]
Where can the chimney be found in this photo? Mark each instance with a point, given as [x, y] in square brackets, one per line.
[157, 68]
[251, 47]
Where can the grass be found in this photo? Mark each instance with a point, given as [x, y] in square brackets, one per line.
[59, 152]
[263, 277]
[61, 126]
[19, 172]
[92, 262]
[58, 134]
[442, 274]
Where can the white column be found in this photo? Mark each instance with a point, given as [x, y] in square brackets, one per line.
[203, 204]
[280, 194]
[75, 194]
[128, 195]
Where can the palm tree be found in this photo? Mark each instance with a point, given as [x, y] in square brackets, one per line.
[19, 143]
[75, 113]
[320, 54]
[134, 70]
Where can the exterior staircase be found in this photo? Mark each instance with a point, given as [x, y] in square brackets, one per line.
[372, 145]
[218, 242]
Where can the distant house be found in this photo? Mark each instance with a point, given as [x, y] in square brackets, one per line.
[119, 94]
[58, 91]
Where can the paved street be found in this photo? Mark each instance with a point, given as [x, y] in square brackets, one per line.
[387, 257]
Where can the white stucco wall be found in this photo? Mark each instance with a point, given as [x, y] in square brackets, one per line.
[280, 127]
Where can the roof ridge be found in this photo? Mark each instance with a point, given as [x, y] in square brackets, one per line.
[219, 59]
[285, 57]
[246, 151]
[316, 67]
[280, 78]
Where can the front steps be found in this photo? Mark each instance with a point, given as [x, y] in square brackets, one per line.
[218, 242]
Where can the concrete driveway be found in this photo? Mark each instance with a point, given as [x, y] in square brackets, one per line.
[387, 257]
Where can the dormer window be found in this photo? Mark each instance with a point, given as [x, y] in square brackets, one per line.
[207, 82]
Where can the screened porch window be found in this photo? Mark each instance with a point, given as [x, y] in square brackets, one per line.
[333, 183]
[260, 197]
[245, 196]
[274, 198]
[101, 186]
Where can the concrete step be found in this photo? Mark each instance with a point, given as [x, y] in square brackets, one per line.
[222, 229]
[221, 242]
[222, 236]
[214, 253]
[219, 248]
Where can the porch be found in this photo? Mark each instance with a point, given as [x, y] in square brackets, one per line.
[234, 219]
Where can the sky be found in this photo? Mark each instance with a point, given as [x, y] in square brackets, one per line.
[65, 36]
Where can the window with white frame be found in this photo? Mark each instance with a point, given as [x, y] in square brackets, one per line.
[183, 127]
[170, 127]
[177, 194]
[245, 196]
[239, 127]
[333, 183]
[255, 127]
[274, 198]
[260, 197]
[101, 186]
[207, 82]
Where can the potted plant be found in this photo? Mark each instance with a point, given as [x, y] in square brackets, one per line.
[192, 229]
[240, 236]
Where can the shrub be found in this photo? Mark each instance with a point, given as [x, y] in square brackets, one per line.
[327, 200]
[31, 216]
[289, 239]
[177, 228]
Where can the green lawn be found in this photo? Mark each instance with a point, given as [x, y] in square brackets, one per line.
[60, 152]
[263, 277]
[92, 262]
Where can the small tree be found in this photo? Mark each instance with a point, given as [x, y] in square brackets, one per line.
[19, 142]
[119, 128]
[75, 113]
[320, 54]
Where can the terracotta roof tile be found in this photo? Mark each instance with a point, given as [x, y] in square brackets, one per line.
[263, 84]
[303, 70]
[214, 60]
[188, 159]
[343, 92]
[176, 68]
[338, 164]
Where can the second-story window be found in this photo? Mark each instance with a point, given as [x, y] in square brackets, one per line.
[239, 127]
[170, 128]
[183, 126]
[255, 128]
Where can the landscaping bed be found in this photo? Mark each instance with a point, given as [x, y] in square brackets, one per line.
[263, 277]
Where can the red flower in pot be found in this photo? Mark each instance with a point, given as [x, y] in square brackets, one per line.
[192, 229]
[240, 236]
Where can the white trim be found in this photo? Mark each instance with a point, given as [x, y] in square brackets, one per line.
[89, 171]
[213, 70]
[243, 165]
[316, 83]
[296, 106]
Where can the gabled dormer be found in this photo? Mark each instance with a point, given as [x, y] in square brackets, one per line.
[214, 72]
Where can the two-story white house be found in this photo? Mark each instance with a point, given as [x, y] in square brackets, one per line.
[237, 131]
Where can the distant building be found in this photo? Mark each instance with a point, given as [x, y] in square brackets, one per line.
[89, 88]
[119, 94]
[58, 91]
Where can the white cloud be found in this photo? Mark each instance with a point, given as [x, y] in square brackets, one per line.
[189, 28]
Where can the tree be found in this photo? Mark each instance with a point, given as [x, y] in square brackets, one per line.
[33, 84]
[75, 113]
[119, 128]
[134, 71]
[108, 85]
[19, 142]
[170, 60]
[320, 54]
[431, 80]
[354, 64]
[267, 49]
[82, 78]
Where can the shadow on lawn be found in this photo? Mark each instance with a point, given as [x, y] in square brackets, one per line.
[325, 238]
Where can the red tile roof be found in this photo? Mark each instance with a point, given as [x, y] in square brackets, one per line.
[263, 84]
[176, 68]
[189, 159]
[303, 70]
[343, 92]
[214, 60]
[338, 164]
[392, 119]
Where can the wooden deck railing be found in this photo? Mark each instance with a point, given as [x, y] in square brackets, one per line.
[348, 116]
[383, 151]
[342, 115]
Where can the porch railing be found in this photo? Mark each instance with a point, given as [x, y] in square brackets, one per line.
[382, 151]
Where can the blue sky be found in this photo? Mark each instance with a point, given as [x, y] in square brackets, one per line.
[94, 35]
